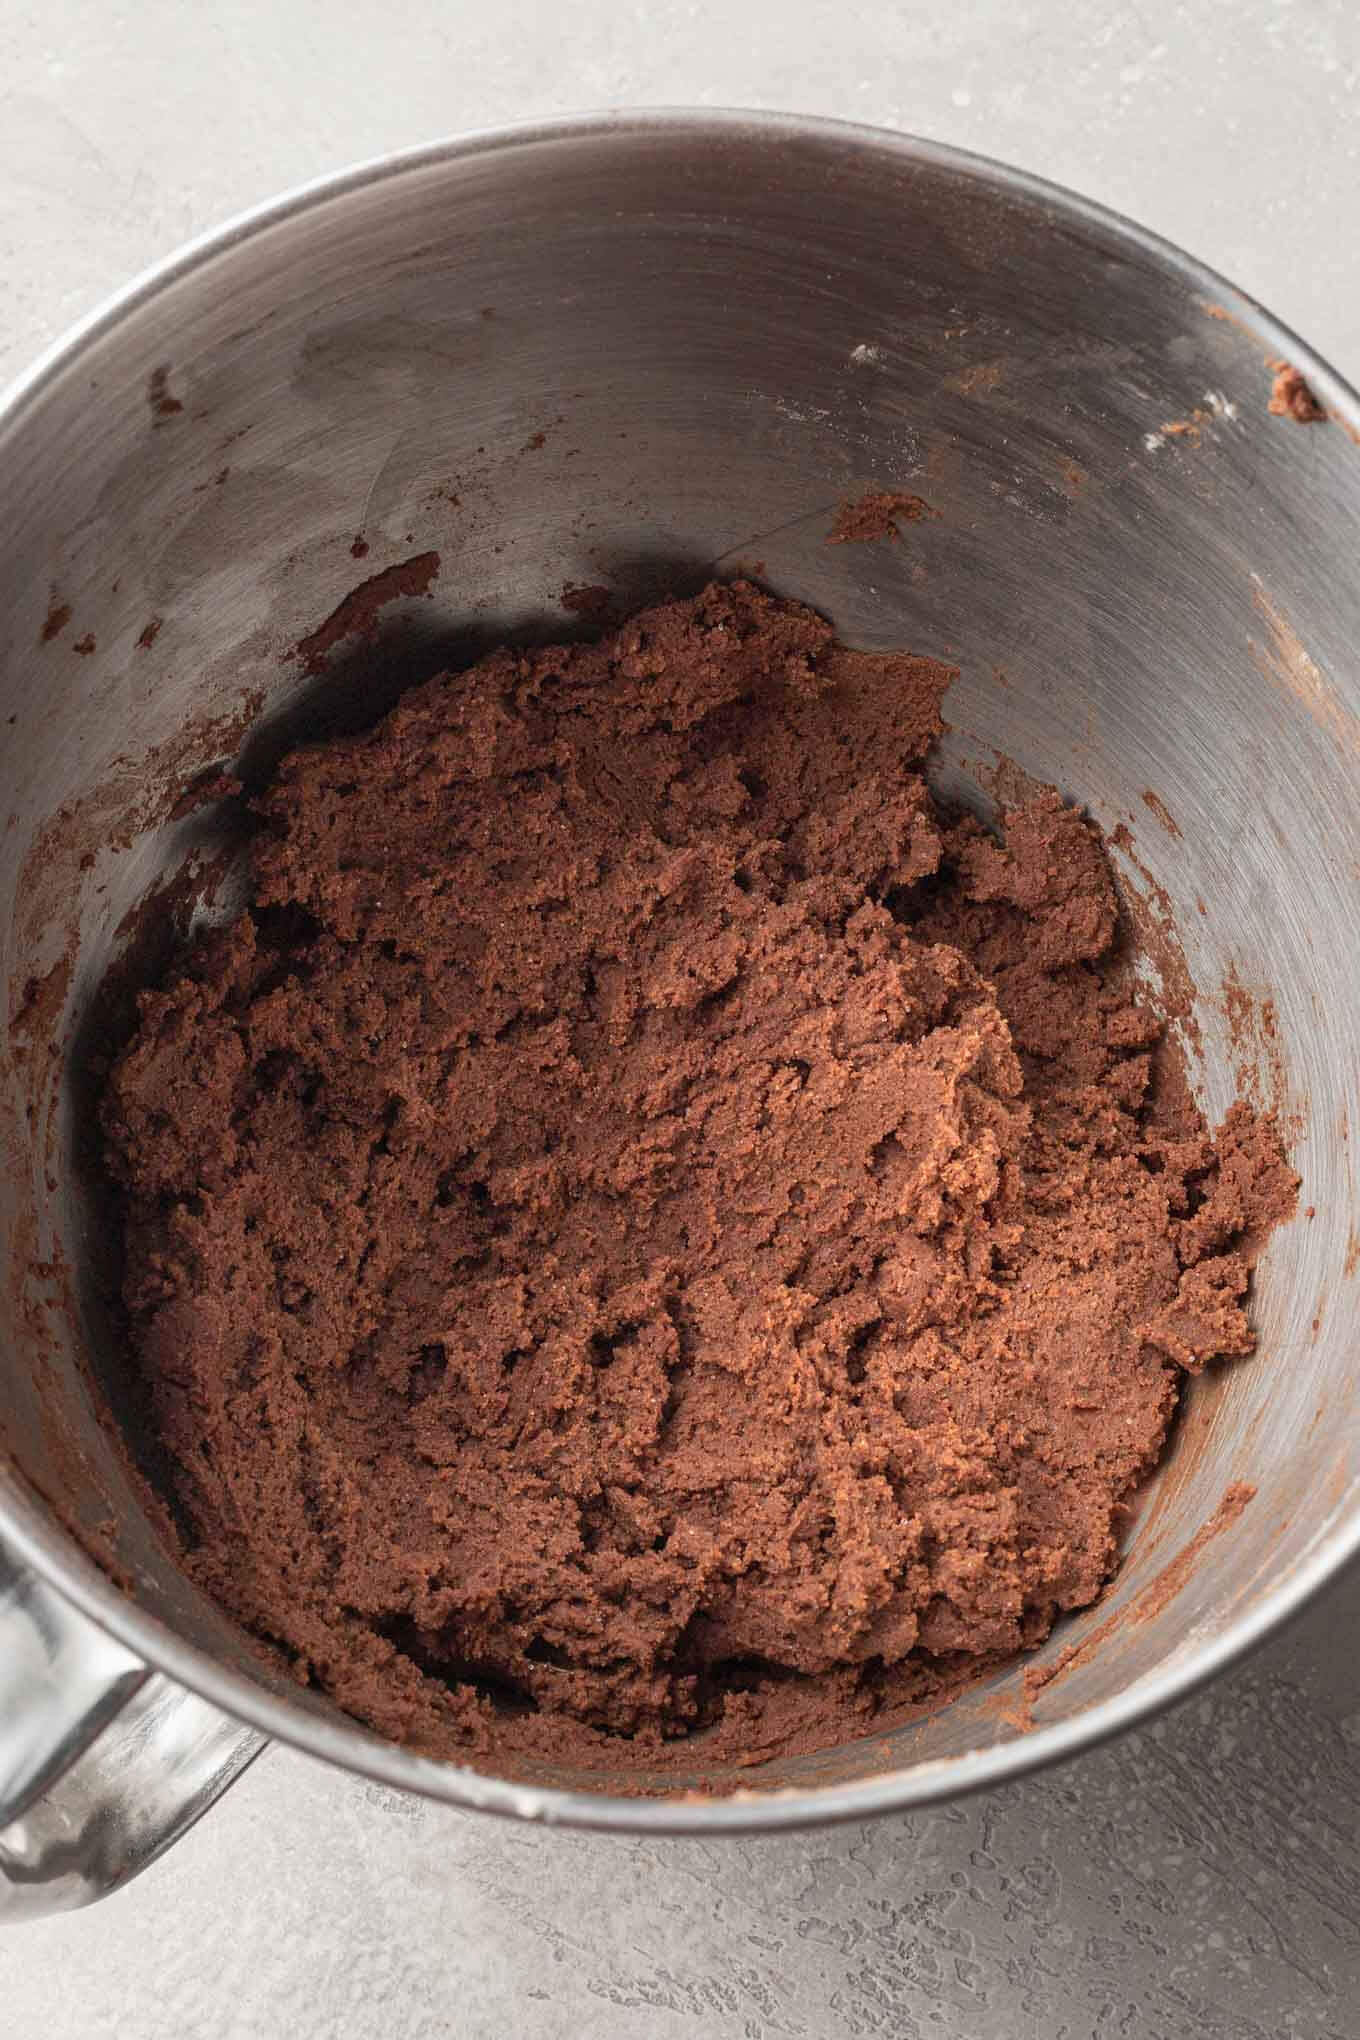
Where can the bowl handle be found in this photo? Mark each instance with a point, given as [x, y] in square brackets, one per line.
[103, 1761]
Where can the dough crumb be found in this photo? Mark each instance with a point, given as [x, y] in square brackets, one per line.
[1290, 396]
[877, 515]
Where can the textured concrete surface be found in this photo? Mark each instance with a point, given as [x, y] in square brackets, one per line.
[1199, 1879]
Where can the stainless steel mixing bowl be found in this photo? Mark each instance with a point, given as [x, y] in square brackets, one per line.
[620, 350]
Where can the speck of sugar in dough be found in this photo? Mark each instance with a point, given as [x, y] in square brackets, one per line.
[648, 1242]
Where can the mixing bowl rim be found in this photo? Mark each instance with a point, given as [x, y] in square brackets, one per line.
[33, 1534]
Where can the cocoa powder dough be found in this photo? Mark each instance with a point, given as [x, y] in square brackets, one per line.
[649, 1243]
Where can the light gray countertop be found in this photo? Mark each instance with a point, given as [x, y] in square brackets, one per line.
[1201, 1878]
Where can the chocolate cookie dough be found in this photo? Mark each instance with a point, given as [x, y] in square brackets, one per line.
[648, 1236]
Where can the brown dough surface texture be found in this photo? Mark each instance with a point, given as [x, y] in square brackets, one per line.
[649, 1242]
